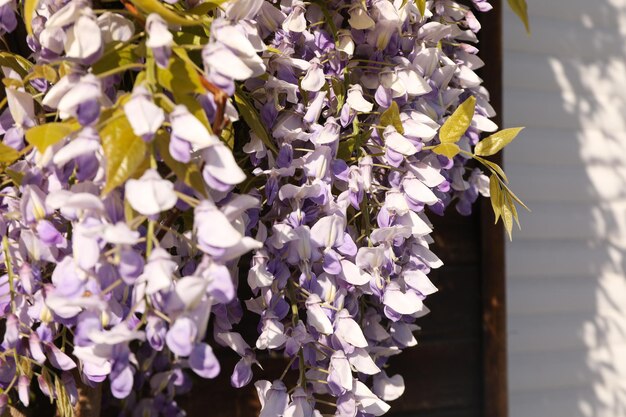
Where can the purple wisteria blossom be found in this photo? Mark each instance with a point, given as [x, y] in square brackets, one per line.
[157, 166]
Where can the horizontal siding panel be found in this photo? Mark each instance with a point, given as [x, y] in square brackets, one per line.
[587, 13]
[566, 147]
[554, 37]
[562, 258]
[565, 184]
[536, 371]
[566, 331]
[602, 293]
[537, 109]
[564, 75]
[566, 269]
[556, 402]
[558, 295]
[531, 72]
[558, 220]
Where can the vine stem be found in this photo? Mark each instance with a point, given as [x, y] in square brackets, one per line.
[9, 266]
[282, 376]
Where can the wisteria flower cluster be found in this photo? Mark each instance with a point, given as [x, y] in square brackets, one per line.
[160, 159]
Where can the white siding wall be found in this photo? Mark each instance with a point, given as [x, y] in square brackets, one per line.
[566, 269]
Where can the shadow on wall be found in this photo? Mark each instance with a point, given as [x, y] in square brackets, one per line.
[567, 267]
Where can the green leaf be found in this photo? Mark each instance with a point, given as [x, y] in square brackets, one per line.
[513, 210]
[172, 16]
[228, 136]
[514, 197]
[521, 10]
[12, 83]
[493, 167]
[181, 75]
[494, 143]
[458, 123]
[352, 143]
[124, 151]
[114, 58]
[44, 71]
[495, 196]
[29, 11]
[43, 136]
[8, 155]
[194, 107]
[340, 92]
[391, 116]
[253, 120]
[206, 7]
[421, 5]
[189, 172]
[16, 176]
[15, 62]
[507, 218]
[447, 149]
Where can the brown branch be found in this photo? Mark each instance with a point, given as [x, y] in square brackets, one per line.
[134, 11]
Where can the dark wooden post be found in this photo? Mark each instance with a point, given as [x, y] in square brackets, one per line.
[495, 395]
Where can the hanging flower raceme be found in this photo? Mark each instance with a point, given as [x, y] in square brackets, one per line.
[145, 151]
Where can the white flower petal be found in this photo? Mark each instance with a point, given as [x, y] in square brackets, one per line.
[314, 79]
[187, 127]
[150, 194]
[21, 105]
[363, 362]
[144, 116]
[354, 275]
[367, 401]
[388, 389]
[120, 234]
[356, 101]
[419, 281]
[419, 192]
[348, 330]
[84, 39]
[397, 142]
[316, 316]
[221, 165]
[402, 303]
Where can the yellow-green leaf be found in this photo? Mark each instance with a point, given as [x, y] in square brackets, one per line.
[494, 143]
[169, 14]
[458, 123]
[447, 149]
[513, 210]
[15, 62]
[43, 136]
[228, 136]
[495, 196]
[16, 176]
[29, 11]
[340, 92]
[493, 167]
[8, 155]
[521, 10]
[189, 172]
[124, 151]
[253, 120]
[421, 5]
[205, 7]
[514, 197]
[115, 58]
[12, 83]
[507, 218]
[391, 116]
[181, 76]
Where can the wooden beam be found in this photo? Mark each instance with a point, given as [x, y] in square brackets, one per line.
[495, 393]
